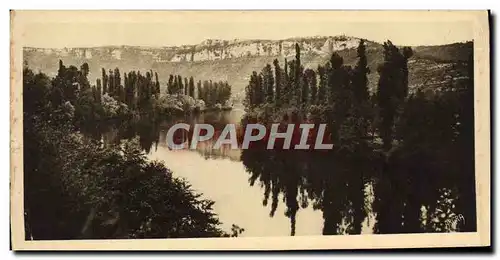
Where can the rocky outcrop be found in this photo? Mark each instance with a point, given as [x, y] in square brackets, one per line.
[209, 50]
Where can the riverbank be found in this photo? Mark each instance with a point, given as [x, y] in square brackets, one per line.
[79, 186]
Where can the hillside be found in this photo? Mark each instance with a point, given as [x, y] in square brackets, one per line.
[431, 66]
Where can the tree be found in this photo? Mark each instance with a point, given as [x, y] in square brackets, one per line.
[286, 90]
[170, 85]
[309, 87]
[99, 90]
[180, 86]
[119, 92]
[392, 90]
[322, 88]
[260, 95]
[66, 84]
[253, 92]
[268, 84]
[296, 69]
[278, 89]
[111, 84]
[130, 83]
[335, 78]
[391, 100]
[200, 91]
[191, 87]
[104, 82]
[157, 85]
[362, 108]
[84, 72]
[360, 78]
[206, 91]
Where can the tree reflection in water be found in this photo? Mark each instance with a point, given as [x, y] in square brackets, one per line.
[359, 188]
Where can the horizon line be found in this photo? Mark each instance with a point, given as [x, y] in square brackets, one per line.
[241, 40]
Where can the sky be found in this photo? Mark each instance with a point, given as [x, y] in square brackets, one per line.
[53, 29]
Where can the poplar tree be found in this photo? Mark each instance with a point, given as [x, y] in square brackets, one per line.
[268, 84]
[157, 86]
[304, 82]
[322, 88]
[335, 78]
[360, 77]
[286, 87]
[111, 84]
[251, 94]
[191, 87]
[119, 93]
[260, 96]
[125, 88]
[98, 89]
[278, 74]
[84, 72]
[170, 84]
[206, 91]
[104, 81]
[361, 96]
[392, 89]
[297, 75]
[180, 86]
[311, 81]
[200, 91]
[129, 89]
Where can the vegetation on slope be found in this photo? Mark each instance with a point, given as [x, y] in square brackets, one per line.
[78, 187]
[236, 70]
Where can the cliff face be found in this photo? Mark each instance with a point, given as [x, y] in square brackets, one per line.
[208, 50]
[235, 60]
[219, 50]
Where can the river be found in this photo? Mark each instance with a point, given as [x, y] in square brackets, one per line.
[293, 192]
[221, 176]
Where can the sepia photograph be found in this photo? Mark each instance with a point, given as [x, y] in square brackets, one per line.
[249, 130]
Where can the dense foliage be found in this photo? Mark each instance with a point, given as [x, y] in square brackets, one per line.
[135, 95]
[76, 186]
[213, 94]
[414, 150]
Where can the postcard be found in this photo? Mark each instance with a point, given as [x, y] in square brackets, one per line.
[249, 130]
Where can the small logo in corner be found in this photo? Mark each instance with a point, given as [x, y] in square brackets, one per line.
[453, 222]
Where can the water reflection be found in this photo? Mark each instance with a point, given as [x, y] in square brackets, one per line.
[337, 183]
[356, 190]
